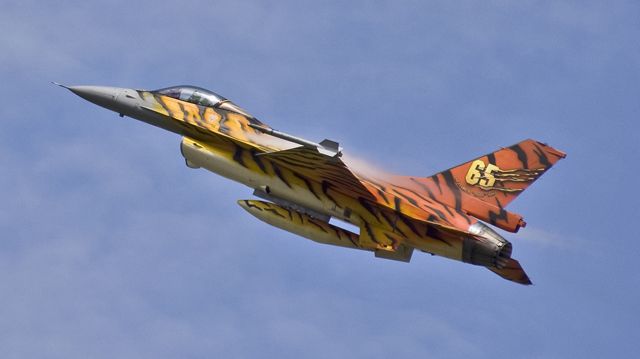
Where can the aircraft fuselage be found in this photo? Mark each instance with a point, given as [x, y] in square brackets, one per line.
[306, 183]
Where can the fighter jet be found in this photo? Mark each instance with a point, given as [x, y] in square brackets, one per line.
[302, 184]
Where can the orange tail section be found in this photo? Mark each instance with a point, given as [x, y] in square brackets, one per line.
[484, 186]
[499, 177]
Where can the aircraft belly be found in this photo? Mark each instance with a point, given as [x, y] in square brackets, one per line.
[451, 248]
[437, 244]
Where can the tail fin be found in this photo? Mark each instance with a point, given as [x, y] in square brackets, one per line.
[484, 186]
[499, 177]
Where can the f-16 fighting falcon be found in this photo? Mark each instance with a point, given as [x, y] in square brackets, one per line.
[303, 184]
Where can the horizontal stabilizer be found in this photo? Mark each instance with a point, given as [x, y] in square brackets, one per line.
[512, 271]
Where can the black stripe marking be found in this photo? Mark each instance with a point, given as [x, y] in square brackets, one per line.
[409, 199]
[289, 162]
[392, 224]
[424, 187]
[325, 190]
[396, 204]
[409, 224]
[447, 209]
[370, 232]
[257, 160]
[184, 113]
[386, 218]
[364, 203]
[383, 195]
[432, 232]
[160, 100]
[438, 212]
[522, 156]
[308, 184]
[274, 212]
[237, 156]
[340, 232]
[436, 180]
[222, 123]
[251, 205]
[278, 173]
[415, 193]
[435, 233]
[495, 217]
[319, 226]
[201, 110]
[542, 157]
[492, 158]
[448, 177]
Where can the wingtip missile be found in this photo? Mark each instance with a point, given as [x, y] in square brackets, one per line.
[326, 147]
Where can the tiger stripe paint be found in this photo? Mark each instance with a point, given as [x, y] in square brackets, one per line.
[302, 224]
[439, 214]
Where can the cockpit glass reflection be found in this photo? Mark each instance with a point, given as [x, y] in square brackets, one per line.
[202, 97]
[196, 95]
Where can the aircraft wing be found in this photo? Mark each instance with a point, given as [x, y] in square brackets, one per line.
[328, 170]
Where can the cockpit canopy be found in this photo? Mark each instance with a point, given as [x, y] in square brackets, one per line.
[201, 97]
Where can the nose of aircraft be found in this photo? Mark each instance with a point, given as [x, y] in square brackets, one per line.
[107, 97]
[100, 95]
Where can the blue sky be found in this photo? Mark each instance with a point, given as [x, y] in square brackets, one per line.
[111, 247]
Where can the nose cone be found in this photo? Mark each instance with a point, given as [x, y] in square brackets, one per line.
[100, 95]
